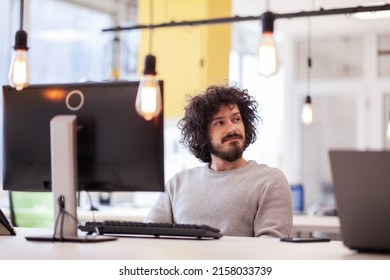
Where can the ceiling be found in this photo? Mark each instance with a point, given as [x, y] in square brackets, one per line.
[320, 25]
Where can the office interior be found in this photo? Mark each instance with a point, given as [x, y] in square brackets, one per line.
[349, 77]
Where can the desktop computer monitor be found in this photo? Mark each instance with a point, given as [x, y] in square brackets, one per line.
[117, 150]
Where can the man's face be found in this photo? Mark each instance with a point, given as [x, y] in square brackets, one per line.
[227, 133]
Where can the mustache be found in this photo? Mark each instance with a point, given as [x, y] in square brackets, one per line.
[231, 135]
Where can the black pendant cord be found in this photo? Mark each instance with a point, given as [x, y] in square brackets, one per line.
[309, 58]
[21, 13]
[150, 24]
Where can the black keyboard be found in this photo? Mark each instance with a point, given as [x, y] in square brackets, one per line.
[151, 229]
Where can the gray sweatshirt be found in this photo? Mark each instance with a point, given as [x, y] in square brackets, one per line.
[252, 200]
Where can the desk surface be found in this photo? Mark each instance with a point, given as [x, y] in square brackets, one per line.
[226, 248]
[307, 223]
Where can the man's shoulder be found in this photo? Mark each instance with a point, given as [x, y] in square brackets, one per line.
[190, 171]
[185, 178]
[264, 169]
[263, 166]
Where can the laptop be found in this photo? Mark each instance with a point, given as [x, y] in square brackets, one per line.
[361, 182]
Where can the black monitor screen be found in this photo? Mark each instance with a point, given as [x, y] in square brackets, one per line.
[117, 150]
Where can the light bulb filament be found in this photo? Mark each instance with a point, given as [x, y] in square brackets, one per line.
[148, 101]
[268, 62]
[19, 71]
[307, 114]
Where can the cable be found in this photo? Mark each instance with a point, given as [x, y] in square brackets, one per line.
[61, 218]
[150, 23]
[21, 13]
[92, 207]
[309, 58]
[61, 204]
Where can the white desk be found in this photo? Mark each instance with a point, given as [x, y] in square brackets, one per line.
[310, 223]
[126, 248]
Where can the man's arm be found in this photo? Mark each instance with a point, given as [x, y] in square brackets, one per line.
[161, 211]
[275, 213]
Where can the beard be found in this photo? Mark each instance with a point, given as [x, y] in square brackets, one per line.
[232, 153]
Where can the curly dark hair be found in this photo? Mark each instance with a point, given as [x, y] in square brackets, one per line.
[201, 109]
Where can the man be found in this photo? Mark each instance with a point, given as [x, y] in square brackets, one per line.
[239, 197]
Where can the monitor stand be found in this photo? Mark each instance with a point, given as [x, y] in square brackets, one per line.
[63, 148]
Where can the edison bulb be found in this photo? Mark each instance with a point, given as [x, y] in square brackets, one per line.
[267, 56]
[19, 72]
[307, 112]
[148, 103]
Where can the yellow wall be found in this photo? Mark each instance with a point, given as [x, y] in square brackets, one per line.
[188, 58]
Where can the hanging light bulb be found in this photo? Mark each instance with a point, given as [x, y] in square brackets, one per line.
[19, 72]
[116, 50]
[148, 103]
[388, 130]
[307, 111]
[267, 56]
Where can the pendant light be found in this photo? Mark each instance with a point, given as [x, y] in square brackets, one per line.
[388, 130]
[267, 55]
[307, 110]
[19, 72]
[148, 102]
[116, 49]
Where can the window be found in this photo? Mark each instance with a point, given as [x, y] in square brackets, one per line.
[6, 20]
[66, 44]
[5, 42]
